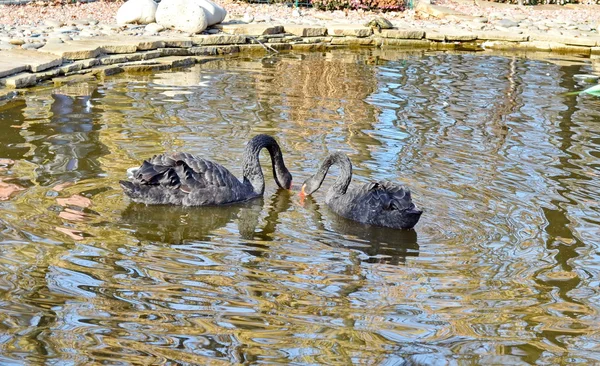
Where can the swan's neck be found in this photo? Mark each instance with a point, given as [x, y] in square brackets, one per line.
[252, 171]
[342, 182]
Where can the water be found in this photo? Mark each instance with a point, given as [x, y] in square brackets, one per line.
[503, 267]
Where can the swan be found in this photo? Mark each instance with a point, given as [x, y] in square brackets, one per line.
[188, 180]
[377, 203]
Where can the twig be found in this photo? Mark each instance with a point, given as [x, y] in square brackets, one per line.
[265, 46]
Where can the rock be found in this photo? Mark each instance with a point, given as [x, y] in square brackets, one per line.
[248, 18]
[32, 46]
[214, 13]
[586, 77]
[17, 41]
[184, 15]
[52, 23]
[67, 29]
[584, 28]
[507, 23]
[137, 11]
[153, 28]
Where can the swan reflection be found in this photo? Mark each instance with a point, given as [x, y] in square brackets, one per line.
[380, 244]
[178, 224]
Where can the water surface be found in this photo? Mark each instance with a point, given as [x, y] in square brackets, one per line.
[503, 267]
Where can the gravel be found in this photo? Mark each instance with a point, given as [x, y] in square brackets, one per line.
[41, 12]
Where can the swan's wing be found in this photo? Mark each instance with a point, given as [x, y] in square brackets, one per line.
[184, 171]
[388, 195]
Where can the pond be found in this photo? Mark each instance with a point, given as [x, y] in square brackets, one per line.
[503, 267]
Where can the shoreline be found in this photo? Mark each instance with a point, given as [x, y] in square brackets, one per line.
[52, 49]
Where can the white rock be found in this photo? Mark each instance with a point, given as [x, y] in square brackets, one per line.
[184, 15]
[137, 11]
[153, 28]
[214, 13]
[248, 18]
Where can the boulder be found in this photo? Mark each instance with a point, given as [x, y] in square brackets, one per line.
[184, 15]
[137, 11]
[214, 13]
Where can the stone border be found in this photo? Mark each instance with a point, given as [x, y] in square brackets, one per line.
[102, 56]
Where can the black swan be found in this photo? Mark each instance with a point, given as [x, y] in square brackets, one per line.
[188, 180]
[377, 203]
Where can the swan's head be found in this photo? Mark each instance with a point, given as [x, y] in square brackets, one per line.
[284, 179]
[309, 186]
[409, 217]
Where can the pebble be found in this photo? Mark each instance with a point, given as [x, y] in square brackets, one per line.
[587, 77]
[153, 28]
[17, 41]
[32, 46]
[507, 23]
[53, 23]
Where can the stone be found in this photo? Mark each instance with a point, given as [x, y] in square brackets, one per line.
[457, 35]
[175, 61]
[402, 34]
[589, 78]
[184, 15]
[500, 36]
[352, 41]
[137, 11]
[580, 41]
[164, 52]
[435, 36]
[250, 29]
[48, 74]
[406, 43]
[21, 80]
[563, 48]
[32, 46]
[341, 30]
[507, 23]
[9, 66]
[305, 30]
[310, 47]
[435, 11]
[53, 23]
[584, 28]
[72, 50]
[72, 67]
[33, 60]
[113, 59]
[208, 40]
[17, 41]
[214, 13]
[104, 71]
[154, 28]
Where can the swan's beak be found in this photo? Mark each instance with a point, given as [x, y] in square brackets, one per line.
[302, 193]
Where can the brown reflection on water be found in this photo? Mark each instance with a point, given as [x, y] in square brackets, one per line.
[502, 269]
